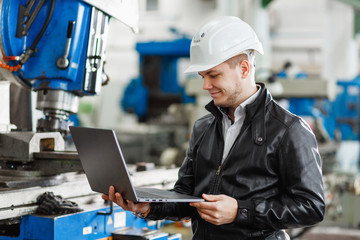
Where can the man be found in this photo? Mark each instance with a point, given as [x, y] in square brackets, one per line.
[256, 164]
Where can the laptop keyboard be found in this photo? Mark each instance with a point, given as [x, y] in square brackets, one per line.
[147, 195]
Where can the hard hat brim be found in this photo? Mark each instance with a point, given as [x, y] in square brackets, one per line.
[198, 68]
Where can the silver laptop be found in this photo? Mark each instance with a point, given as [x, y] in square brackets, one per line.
[104, 165]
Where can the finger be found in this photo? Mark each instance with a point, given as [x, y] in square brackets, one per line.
[132, 206]
[194, 204]
[112, 194]
[212, 198]
[120, 201]
[207, 216]
[211, 217]
[204, 205]
[105, 197]
[208, 198]
[207, 212]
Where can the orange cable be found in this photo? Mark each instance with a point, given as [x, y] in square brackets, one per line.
[10, 68]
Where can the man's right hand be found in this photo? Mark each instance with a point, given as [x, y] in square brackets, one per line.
[125, 204]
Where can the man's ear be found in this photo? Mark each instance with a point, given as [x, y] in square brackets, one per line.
[244, 69]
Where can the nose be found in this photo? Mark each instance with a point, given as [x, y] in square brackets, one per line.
[207, 84]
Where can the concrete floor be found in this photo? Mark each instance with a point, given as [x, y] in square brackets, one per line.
[331, 233]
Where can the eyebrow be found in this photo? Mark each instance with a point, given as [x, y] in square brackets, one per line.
[208, 72]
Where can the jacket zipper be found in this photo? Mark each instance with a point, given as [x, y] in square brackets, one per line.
[218, 170]
[217, 177]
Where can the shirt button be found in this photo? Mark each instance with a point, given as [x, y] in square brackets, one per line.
[244, 212]
[259, 139]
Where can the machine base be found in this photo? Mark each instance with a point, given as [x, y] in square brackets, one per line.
[85, 225]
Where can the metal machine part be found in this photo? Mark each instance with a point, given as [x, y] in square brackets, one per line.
[57, 105]
[30, 159]
[5, 105]
[45, 170]
[63, 62]
[20, 146]
[20, 202]
[95, 52]
[34, 159]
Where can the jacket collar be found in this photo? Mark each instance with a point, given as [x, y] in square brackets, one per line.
[255, 114]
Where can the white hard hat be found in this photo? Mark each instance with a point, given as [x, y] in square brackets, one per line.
[220, 39]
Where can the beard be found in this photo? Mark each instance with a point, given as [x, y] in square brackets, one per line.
[228, 100]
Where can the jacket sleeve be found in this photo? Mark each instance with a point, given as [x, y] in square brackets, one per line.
[300, 201]
[185, 185]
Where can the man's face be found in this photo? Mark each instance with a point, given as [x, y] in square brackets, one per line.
[224, 85]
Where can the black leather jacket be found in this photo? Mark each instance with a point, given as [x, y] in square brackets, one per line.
[273, 171]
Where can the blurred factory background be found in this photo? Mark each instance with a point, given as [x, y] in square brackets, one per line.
[131, 80]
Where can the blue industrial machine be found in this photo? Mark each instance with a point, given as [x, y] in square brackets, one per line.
[89, 225]
[341, 116]
[57, 49]
[158, 86]
[344, 111]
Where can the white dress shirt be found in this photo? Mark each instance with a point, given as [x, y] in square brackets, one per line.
[232, 130]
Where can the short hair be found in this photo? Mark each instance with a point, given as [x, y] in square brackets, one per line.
[246, 55]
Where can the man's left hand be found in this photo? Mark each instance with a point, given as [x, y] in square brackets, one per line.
[218, 209]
